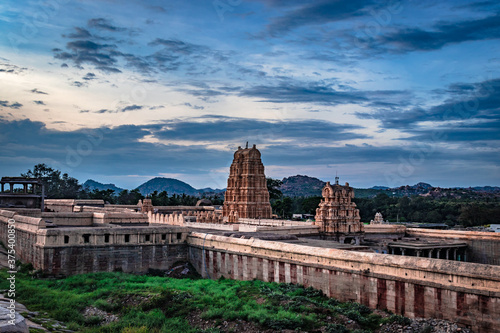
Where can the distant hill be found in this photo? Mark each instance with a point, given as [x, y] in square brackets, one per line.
[93, 185]
[171, 185]
[379, 188]
[302, 186]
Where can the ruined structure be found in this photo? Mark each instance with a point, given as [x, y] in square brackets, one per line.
[246, 195]
[21, 192]
[337, 216]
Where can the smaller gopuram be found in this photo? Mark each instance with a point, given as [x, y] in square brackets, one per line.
[246, 194]
[337, 216]
[379, 219]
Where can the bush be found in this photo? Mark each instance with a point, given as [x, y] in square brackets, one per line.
[336, 328]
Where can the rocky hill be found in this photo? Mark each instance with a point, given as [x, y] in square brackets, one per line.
[93, 185]
[302, 186]
[171, 185]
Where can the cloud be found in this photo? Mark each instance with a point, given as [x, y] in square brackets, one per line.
[195, 107]
[6, 67]
[478, 131]
[125, 109]
[442, 34]
[233, 129]
[466, 101]
[320, 12]
[14, 105]
[132, 108]
[89, 76]
[36, 91]
[39, 102]
[79, 34]
[78, 84]
[104, 24]
[113, 152]
[319, 93]
[103, 56]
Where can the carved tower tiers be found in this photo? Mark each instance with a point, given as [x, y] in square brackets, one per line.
[246, 195]
[337, 216]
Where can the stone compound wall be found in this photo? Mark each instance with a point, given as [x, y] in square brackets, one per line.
[467, 293]
[483, 247]
[69, 250]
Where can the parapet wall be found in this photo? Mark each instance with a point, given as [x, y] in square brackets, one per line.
[272, 223]
[67, 205]
[483, 247]
[415, 287]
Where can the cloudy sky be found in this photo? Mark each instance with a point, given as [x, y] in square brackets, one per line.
[384, 93]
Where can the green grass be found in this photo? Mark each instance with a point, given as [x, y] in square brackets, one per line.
[160, 304]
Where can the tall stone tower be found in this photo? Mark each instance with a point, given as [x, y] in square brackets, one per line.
[246, 195]
[337, 216]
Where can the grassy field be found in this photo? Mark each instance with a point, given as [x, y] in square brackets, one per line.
[141, 303]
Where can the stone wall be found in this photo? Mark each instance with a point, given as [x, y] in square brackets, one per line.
[132, 250]
[384, 231]
[415, 287]
[70, 250]
[483, 247]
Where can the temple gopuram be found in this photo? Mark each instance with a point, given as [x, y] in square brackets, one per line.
[337, 216]
[246, 195]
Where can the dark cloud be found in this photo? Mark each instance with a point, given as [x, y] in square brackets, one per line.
[104, 111]
[467, 101]
[195, 107]
[132, 108]
[104, 24]
[231, 129]
[116, 151]
[89, 76]
[178, 47]
[317, 13]
[79, 34]
[318, 93]
[484, 130]
[6, 67]
[36, 91]
[78, 84]
[14, 105]
[103, 56]
[442, 34]
[125, 109]
[39, 102]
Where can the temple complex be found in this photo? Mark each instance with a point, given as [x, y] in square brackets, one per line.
[337, 216]
[246, 195]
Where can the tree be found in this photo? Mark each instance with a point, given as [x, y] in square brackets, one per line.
[56, 187]
[107, 195]
[273, 186]
[283, 207]
[129, 198]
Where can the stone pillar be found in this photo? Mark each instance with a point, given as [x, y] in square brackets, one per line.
[448, 254]
[403, 252]
[419, 253]
[430, 253]
[438, 253]
[455, 254]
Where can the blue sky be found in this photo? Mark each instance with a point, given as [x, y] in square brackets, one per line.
[384, 93]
